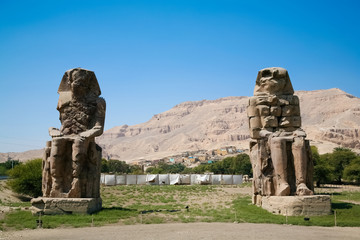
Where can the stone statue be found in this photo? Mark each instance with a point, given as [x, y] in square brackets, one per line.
[71, 166]
[280, 155]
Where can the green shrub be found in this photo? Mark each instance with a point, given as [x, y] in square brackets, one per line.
[352, 171]
[339, 159]
[239, 164]
[26, 178]
[3, 170]
[9, 164]
[117, 166]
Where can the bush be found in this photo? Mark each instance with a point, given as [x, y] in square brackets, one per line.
[166, 168]
[352, 171]
[116, 166]
[323, 172]
[26, 178]
[9, 164]
[3, 170]
[104, 166]
[120, 167]
[239, 164]
[339, 159]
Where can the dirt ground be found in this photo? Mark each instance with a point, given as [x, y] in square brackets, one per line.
[6, 195]
[188, 231]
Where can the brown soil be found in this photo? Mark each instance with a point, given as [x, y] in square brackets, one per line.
[6, 195]
[179, 231]
[188, 231]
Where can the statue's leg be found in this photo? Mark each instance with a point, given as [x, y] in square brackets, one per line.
[79, 152]
[56, 166]
[46, 175]
[279, 159]
[300, 163]
[93, 177]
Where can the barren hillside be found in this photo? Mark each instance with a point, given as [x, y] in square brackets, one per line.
[330, 117]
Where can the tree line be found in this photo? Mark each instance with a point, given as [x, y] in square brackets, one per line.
[336, 167]
[121, 167]
[341, 165]
[5, 166]
[239, 164]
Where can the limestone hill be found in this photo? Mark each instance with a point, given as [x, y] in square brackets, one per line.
[330, 117]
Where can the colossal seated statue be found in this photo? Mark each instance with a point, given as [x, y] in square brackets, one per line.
[71, 165]
[279, 153]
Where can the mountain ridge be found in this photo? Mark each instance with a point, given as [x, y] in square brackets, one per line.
[330, 117]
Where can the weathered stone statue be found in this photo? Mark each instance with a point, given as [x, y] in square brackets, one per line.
[279, 153]
[72, 161]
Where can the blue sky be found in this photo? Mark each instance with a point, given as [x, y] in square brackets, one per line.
[149, 56]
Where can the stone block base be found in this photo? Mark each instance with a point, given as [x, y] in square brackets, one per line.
[313, 205]
[53, 206]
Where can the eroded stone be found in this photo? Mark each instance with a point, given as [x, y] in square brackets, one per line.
[53, 206]
[279, 152]
[315, 205]
[72, 160]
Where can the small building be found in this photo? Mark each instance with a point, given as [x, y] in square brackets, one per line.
[221, 152]
[202, 157]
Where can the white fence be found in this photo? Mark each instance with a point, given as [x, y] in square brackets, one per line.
[171, 179]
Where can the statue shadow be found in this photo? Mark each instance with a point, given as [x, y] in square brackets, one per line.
[130, 210]
[342, 205]
[24, 198]
[329, 194]
[118, 209]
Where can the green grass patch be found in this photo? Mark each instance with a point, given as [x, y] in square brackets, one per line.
[161, 204]
[347, 196]
[18, 220]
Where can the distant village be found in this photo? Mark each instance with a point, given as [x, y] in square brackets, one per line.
[193, 158]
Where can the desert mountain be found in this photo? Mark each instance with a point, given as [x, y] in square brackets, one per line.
[22, 156]
[331, 118]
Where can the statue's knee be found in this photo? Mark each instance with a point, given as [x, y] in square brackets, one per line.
[298, 143]
[55, 172]
[277, 142]
[57, 149]
[78, 157]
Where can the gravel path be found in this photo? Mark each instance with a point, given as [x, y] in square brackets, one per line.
[177, 231]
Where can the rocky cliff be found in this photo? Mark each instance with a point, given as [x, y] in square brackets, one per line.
[331, 118]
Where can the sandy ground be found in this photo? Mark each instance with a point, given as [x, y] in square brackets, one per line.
[6, 195]
[177, 231]
[188, 231]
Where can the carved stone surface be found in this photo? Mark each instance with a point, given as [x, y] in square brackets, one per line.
[53, 206]
[280, 155]
[72, 160]
[315, 205]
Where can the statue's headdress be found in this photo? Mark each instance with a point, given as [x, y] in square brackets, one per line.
[273, 73]
[92, 83]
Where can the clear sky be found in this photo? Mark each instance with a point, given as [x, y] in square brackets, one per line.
[149, 56]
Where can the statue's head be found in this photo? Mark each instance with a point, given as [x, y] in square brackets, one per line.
[273, 81]
[80, 82]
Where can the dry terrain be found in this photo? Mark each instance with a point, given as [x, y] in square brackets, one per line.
[181, 231]
[175, 230]
[330, 117]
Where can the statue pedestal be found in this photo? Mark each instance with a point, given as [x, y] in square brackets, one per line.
[53, 206]
[313, 205]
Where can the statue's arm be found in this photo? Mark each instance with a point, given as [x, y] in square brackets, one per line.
[98, 128]
[54, 132]
[265, 133]
[299, 133]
